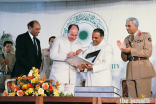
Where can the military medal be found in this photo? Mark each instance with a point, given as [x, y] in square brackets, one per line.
[138, 41]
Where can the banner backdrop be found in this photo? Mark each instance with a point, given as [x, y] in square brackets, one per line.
[53, 16]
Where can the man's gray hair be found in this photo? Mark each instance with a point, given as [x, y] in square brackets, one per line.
[134, 21]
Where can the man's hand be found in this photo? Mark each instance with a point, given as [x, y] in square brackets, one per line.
[87, 66]
[79, 51]
[126, 50]
[120, 45]
[71, 54]
[6, 61]
[38, 71]
[80, 68]
[123, 48]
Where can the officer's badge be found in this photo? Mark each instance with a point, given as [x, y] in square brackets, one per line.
[149, 39]
[139, 34]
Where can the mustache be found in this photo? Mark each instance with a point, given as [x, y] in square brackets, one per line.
[94, 41]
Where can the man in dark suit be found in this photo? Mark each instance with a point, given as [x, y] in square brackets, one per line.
[28, 50]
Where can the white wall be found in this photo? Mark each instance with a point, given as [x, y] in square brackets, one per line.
[53, 15]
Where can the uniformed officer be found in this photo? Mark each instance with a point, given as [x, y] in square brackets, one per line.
[7, 63]
[137, 49]
[46, 61]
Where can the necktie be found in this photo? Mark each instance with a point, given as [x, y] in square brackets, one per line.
[35, 47]
[132, 37]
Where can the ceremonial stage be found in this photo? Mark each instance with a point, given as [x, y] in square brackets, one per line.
[54, 17]
[70, 100]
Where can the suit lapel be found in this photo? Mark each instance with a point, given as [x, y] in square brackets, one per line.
[129, 41]
[29, 39]
[136, 37]
[31, 44]
[129, 38]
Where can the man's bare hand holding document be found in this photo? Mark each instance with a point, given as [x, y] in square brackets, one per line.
[81, 61]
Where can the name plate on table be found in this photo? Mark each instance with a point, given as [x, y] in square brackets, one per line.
[104, 91]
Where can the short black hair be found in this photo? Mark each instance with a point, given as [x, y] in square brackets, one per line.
[100, 31]
[31, 23]
[71, 26]
[51, 37]
[7, 42]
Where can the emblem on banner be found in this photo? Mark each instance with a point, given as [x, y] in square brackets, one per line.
[87, 22]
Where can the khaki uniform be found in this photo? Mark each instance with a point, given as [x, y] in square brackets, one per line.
[139, 71]
[46, 63]
[12, 59]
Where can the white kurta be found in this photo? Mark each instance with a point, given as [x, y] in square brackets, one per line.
[61, 70]
[101, 74]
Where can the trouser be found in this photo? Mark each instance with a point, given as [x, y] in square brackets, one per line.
[45, 72]
[2, 81]
[68, 88]
[136, 88]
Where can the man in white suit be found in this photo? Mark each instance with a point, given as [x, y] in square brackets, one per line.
[63, 48]
[99, 74]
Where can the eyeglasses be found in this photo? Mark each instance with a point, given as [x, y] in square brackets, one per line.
[9, 46]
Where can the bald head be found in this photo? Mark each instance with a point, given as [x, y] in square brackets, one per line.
[72, 32]
[34, 28]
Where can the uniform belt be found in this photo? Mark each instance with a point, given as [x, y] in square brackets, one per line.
[137, 58]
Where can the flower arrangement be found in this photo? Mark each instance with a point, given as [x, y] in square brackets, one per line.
[33, 85]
